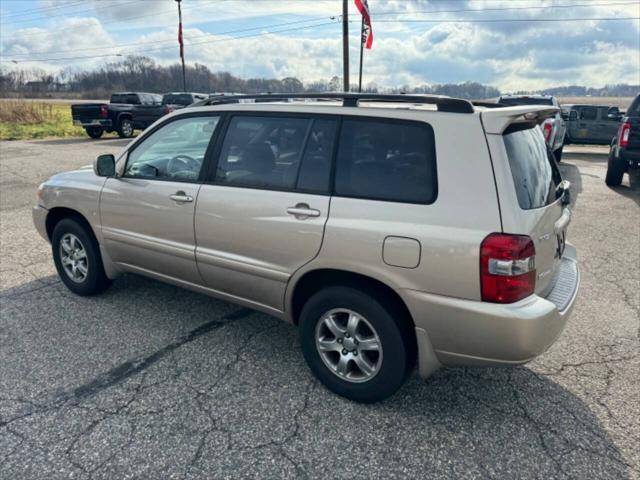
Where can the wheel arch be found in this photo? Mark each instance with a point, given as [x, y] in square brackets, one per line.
[57, 214]
[312, 280]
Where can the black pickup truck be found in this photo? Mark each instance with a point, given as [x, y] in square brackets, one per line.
[624, 154]
[145, 114]
[117, 115]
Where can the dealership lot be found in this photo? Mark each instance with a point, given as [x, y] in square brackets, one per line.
[155, 382]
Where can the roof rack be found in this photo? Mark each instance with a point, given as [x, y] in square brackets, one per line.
[444, 104]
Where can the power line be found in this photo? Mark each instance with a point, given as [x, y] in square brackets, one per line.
[135, 44]
[36, 11]
[467, 10]
[508, 20]
[92, 10]
[333, 17]
[191, 44]
[334, 23]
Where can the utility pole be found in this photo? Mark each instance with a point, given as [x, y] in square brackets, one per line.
[361, 53]
[181, 42]
[345, 43]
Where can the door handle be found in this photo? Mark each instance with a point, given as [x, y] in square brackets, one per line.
[181, 197]
[302, 211]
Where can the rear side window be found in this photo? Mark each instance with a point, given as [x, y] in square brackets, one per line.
[384, 160]
[535, 174]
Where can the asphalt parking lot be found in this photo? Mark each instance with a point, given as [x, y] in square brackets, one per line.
[149, 381]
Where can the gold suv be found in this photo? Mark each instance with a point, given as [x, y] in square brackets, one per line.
[389, 228]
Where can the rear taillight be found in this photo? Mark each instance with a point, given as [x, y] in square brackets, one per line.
[546, 128]
[104, 111]
[507, 268]
[167, 110]
[623, 134]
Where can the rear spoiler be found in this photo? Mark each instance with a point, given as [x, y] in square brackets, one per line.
[497, 120]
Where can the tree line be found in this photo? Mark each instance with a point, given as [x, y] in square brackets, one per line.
[139, 73]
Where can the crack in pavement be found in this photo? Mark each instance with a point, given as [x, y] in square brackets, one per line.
[127, 369]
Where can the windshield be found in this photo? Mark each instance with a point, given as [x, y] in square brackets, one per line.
[525, 101]
[124, 98]
[177, 99]
[535, 173]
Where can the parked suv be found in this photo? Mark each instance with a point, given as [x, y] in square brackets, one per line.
[389, 229]
[553, 128]
[624, 154]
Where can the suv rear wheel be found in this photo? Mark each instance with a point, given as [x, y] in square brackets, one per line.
[125, 128]
[615, 170]
[354, 344]
[77, 258]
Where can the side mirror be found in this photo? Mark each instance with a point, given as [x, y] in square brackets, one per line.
[105, 165]
[617, 116]
[573, 115]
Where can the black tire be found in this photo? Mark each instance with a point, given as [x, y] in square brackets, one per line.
[558, 154]
[398, 352]
[96, 280]
[615, 170]
[125, 128]
[94, 132]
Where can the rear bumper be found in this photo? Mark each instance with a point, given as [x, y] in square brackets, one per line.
[457, 332]
[630, 157]
[39, 215]
[93, 123]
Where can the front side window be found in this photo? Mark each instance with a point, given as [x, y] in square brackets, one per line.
[173, 152]
[383, 160]
[588, 113]
[535, 173]
[262, 151]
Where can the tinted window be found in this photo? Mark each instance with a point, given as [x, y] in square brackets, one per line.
[535, 174]
[262, 151]
[177, 99]
[526, 101]
[385, 160]
[588, 113]
[125, 98]
[173, 152]
[315, 171]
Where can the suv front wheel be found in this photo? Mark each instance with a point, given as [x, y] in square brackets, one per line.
[354, 344]
[76, 255]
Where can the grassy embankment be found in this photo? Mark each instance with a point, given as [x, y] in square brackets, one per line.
[26, 120]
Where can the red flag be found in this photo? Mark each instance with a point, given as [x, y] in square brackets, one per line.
[367, 31]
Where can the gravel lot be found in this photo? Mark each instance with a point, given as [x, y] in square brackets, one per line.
[149, 381]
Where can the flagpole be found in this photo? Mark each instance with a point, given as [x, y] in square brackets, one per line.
[184, 77]
[345, 43]
[361, 54]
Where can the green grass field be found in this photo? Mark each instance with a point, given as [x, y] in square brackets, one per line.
[27, 120]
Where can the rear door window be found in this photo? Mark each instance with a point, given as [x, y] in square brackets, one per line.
[386, 160]
[535, 174]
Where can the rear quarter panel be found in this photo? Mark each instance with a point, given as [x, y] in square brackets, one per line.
[449, 231]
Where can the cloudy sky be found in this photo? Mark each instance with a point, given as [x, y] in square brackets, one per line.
[511, 44]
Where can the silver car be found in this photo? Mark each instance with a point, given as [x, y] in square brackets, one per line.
[390, 229]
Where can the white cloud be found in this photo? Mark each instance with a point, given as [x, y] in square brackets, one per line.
[511, 56]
